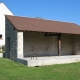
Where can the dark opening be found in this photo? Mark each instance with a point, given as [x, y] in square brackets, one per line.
[36, 66]
[8, 47]
[0, 36]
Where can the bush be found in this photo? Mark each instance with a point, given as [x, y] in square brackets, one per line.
[3, 48]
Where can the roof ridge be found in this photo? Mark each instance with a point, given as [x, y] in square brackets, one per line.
[60, 21]
[42, 19]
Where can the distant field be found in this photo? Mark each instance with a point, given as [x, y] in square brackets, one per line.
[10, 70]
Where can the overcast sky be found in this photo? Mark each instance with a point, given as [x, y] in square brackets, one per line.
[63, 10]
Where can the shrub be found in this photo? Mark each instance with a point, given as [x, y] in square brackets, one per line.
[3, 48]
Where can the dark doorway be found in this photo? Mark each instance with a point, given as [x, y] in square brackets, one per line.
[8, 47]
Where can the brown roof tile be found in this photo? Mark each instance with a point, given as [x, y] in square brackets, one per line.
[41, 25]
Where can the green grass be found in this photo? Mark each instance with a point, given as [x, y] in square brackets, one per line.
[10, 70]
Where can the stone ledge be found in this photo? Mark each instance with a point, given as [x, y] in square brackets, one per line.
[42, 61]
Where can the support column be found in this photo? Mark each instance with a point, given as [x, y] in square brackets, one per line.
[59, 45]
[20, 45]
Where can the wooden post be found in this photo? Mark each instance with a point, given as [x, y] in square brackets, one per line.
[59, 42]
[59, 45]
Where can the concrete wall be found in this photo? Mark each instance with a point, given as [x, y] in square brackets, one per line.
[77, 44]
[37, 44]
[3, 10]
[67, 44]
[11, 33]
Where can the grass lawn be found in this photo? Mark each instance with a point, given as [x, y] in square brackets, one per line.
[10, 70]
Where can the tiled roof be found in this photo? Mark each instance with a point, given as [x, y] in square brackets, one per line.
[41, 25]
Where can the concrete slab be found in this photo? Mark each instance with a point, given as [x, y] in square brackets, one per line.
[49, 60]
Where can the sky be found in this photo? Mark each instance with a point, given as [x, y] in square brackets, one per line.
[61, 10]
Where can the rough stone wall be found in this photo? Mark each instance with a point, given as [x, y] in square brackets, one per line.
[11, 33]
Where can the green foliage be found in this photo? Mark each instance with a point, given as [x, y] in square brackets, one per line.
[3, 48]
[10, 70]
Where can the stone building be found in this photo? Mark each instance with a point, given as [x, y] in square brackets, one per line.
[3, 10]
[36, 42]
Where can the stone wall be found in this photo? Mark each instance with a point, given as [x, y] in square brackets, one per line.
[10, 41]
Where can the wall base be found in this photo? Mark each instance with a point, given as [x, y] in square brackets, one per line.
[41, 61]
